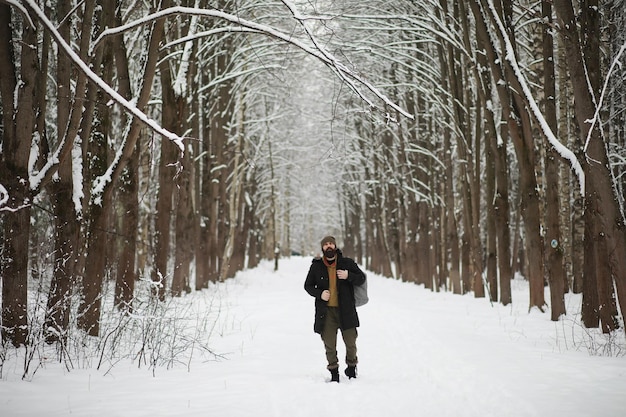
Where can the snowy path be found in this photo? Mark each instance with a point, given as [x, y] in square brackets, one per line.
[421, 354]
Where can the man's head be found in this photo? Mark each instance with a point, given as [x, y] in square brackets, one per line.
[329, 247]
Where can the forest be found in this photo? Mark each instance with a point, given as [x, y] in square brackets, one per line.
[149, 148]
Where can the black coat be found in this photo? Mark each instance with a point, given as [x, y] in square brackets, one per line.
[317, 281]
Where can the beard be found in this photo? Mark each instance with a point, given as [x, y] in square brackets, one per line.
[330, 253]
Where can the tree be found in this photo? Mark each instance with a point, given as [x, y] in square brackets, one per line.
[66, 213]
[605, 237]
[419, 117]
[18, 91]
[554, 247]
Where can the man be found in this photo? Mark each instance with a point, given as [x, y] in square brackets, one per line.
[330, 280]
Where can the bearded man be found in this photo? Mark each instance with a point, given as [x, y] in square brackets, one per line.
[331, 281]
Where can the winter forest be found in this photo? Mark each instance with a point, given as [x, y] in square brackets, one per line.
[149, 148]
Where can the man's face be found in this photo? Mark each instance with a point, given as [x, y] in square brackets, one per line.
[329, 249]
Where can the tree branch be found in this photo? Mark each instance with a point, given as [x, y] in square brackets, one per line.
[342, 71]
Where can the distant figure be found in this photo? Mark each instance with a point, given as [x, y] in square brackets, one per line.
[330, 280]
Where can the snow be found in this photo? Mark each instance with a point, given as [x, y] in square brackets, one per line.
[128, 105]
[4, 196]
[180, 84]
[352, 78]
[77, 175]
[420, 353]
[565, 152]
[596, 117]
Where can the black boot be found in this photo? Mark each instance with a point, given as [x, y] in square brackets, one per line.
[334, 375]
[350, 371]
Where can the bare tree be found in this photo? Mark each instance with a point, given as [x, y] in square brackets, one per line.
[18, 91]
[604, 222]
[554, 247]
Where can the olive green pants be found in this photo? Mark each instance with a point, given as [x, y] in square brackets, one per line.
[329, 337]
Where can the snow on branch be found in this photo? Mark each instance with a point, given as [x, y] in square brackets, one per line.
[554, 141]
[340, 69]
[317, 51]
[93, 77]
[207, 33]
[596, 116]
[4, 199]
[428, 24]
[22, 9]
[4, 196]
[180, 84]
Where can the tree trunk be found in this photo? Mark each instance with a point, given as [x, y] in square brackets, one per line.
[233, 239]
[530, 212]
[519, 125]
[254, 255]
[129, 181]
[183, 250]
[498, 233]
[175, 188]
[423, 246]
[19, 108]
[449, 220]
[89, 309]
[605, 224]
[412, 254]
[466, 269]
[128, 234]
[235, 243]
[492, 251]
[66, 243]
[204, 206]
[163, 217]
[554, 247]
[219, 116]
[502, 213]
[573, 230]
[170, 119]
[66, 225]
[469, 185]
[98, 214]
[469, 153]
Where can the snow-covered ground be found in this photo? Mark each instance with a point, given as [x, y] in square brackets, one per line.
[420, 353]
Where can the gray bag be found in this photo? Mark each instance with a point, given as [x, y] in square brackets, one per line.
[360, 294]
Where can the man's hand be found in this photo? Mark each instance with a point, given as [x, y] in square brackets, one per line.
[325, 295]
[342, 273]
